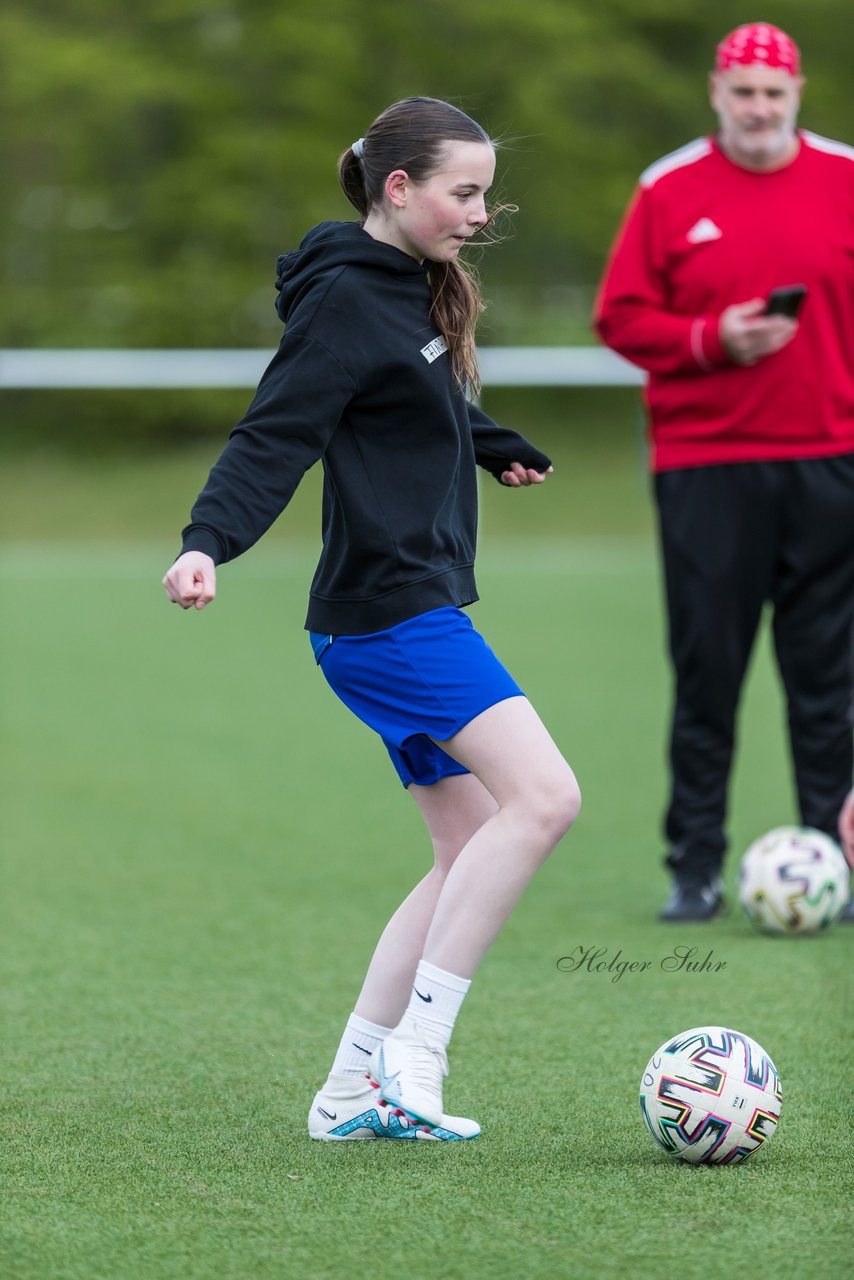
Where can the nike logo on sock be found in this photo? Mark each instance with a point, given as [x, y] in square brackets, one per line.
[328, 1115]
[360, 1047]
[426, 999]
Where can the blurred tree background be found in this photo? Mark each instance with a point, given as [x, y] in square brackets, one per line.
[156, 158]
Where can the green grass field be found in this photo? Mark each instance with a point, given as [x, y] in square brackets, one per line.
[200, 848]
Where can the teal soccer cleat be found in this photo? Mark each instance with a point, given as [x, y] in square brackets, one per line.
[347, 1108]
[409, 1067]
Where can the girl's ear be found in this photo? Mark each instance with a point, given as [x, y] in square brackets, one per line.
[396, 185]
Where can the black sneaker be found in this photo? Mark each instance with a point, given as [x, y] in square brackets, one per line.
[847, 916]
[693, 900]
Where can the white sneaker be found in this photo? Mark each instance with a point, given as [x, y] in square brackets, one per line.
[409, 1067]
[348, 1108]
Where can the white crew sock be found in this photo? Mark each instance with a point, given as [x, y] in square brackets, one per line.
[436, 999]
[358, 1042]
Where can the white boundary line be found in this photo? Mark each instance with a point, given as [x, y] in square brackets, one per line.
[152, 369]
[147, 559]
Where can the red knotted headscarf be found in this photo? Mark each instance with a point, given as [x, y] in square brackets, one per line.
[758, 44]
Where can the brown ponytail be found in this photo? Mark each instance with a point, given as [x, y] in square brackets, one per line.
[410, 135]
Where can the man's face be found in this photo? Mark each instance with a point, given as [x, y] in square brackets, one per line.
[757, 108]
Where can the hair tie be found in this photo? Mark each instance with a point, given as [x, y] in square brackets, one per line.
[358, 148]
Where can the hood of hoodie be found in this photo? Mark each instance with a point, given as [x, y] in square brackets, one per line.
[331, 245]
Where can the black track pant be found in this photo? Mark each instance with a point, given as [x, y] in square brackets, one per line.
[734, 537]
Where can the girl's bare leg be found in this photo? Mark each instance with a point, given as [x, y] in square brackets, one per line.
[453, 809]
[509, 750]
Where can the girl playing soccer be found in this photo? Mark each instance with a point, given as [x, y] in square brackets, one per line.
[371, 378]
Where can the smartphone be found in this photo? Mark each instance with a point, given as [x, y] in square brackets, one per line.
[786, 300]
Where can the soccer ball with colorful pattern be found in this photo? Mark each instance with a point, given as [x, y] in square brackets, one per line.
[793, 880]
[710, 1096]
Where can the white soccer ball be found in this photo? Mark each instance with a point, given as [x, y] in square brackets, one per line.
[793, 880]
[711, 1096]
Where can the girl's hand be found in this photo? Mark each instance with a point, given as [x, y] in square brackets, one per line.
[518, 475]
[191, 582]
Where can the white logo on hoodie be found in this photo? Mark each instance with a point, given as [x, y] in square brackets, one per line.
[434, 349]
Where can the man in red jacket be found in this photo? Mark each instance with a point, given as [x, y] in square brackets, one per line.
[752, 435]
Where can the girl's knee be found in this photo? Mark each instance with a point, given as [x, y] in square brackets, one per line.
[558, 804]
[575, 799]
[570, 803]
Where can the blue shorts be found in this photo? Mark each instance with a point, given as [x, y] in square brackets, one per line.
[424, 679]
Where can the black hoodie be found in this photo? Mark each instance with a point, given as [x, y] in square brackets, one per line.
[361, 380]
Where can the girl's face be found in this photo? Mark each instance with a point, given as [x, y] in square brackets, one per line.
[433, 219]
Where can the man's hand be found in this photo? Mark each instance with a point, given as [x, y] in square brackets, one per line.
[518, 475]
[846, 829]
[748, 335]
[191, 582]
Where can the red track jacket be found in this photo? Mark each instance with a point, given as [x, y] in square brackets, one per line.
[702, 233]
